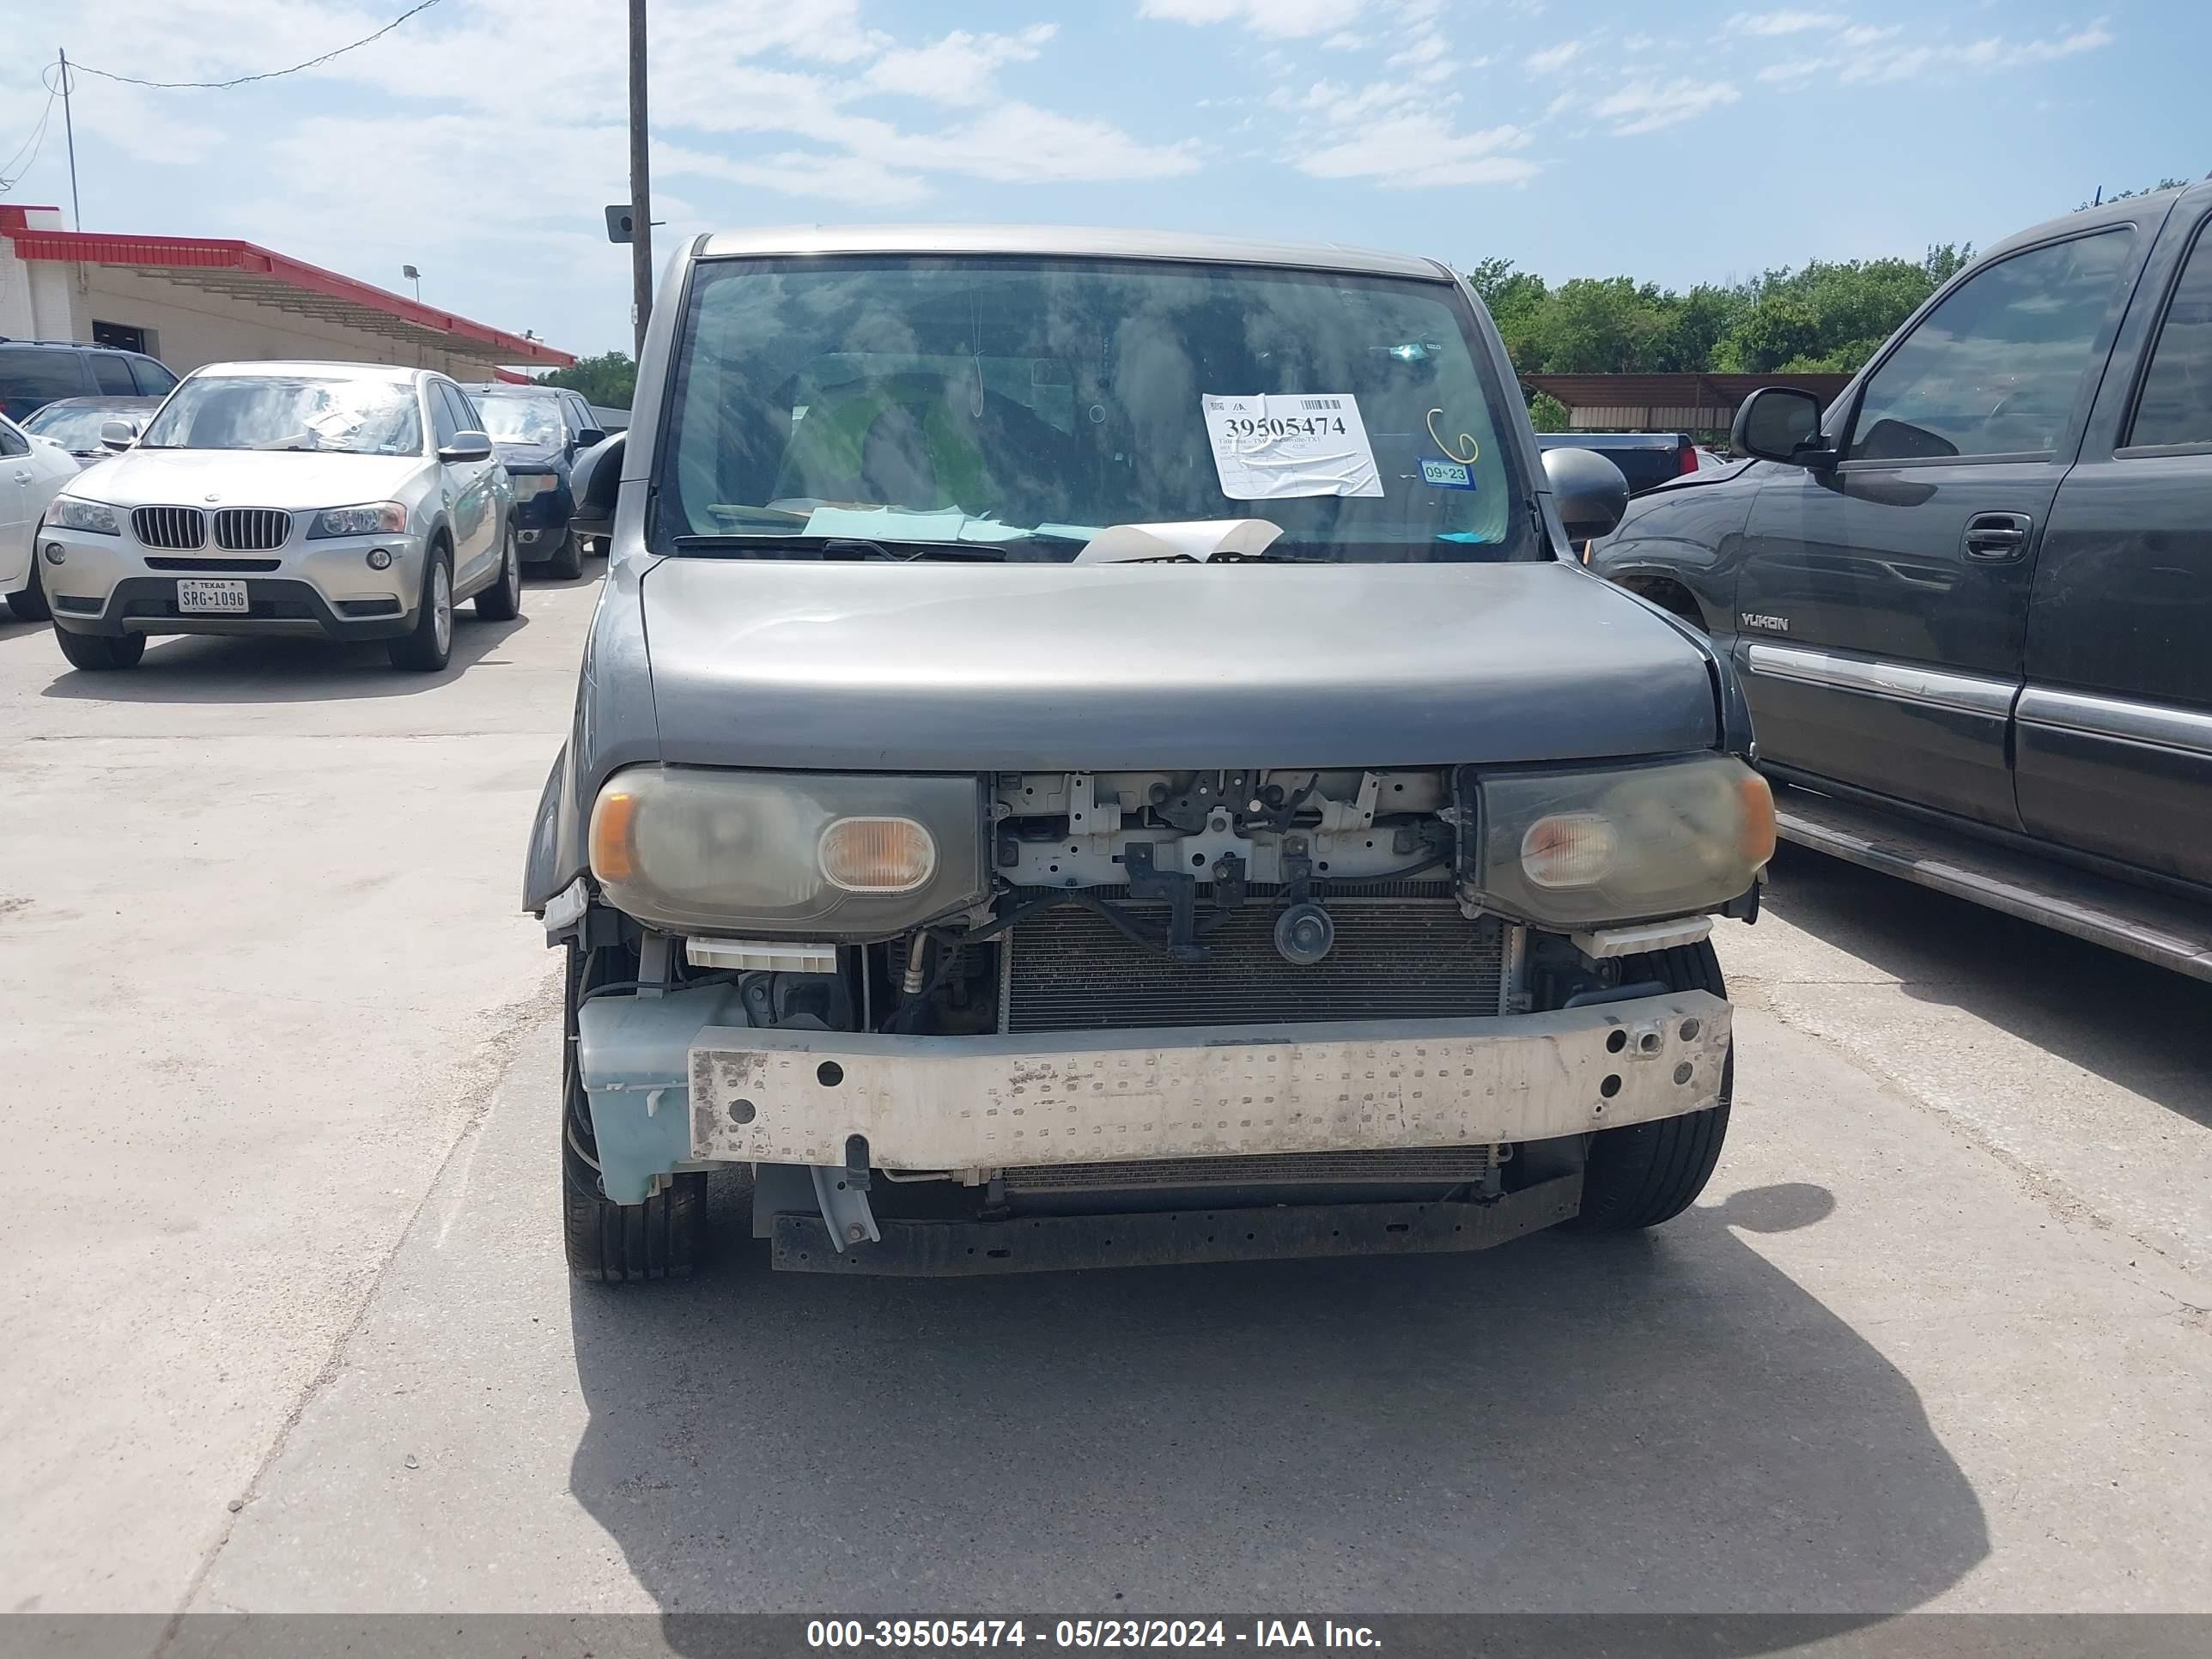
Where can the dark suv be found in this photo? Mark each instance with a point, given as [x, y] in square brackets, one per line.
[35, 372]
[1969, 599]
[538, 431]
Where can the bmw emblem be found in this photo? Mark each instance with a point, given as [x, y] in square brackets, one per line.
[213, 496]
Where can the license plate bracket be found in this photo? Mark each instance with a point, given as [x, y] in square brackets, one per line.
[202, 596]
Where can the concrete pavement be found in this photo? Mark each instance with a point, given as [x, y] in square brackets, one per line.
[283, 1066]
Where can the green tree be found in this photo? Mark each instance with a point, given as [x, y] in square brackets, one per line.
[1546, 413]
[608, 380]
[1513, 298]
[2122, 195]
[1831, 314]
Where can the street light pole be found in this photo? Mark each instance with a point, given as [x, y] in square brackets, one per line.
[641, 186]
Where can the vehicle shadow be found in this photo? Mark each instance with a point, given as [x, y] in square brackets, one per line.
[1663, 1423]
[2141, 1027]
[187, 668]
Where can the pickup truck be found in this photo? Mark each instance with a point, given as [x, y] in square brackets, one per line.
[1095, 750]
[1971, 601]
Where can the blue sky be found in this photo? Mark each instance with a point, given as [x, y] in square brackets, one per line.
[1678, 140]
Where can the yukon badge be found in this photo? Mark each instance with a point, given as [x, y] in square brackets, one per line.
[1772, 625]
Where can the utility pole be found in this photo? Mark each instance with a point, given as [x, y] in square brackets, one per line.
[68, 130]
[640, 185]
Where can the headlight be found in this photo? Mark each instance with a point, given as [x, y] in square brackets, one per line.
[530, 485]
[831, 855]
[370, 518]
[1637, 842]
[69, 512]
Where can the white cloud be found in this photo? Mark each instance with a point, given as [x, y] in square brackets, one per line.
[1777, 22]
[1647, 106]
[1553, 59]
[1278, 19]
[1416, 150]
[1345, 41]
[1866, 55]
[960, 69]
[1427, 58]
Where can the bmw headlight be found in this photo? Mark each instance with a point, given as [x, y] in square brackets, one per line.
[72, 512]
[1633, 843]
[369, 519]
[832, 855]
[528, 486]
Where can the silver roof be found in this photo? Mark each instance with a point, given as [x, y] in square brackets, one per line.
[1064, 242]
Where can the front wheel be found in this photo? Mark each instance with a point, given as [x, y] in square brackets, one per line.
[502, 600]
[567, 560]
[98, 653]
[1647, 1173]
[428, 646]
[664, 1238]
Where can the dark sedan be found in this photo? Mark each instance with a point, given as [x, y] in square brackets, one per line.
[538, 431]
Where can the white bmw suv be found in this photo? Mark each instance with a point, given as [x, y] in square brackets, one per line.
[344, 499]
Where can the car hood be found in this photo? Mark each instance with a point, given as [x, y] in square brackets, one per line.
[296, 479]
[537, 456]
[948, 667]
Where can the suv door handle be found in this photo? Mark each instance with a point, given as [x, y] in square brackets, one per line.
[1997, 536]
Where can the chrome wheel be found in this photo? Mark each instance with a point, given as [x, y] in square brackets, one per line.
[442, 606]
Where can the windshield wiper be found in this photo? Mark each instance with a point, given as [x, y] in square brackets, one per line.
[769, 544]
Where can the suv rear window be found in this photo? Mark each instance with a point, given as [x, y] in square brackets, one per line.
[34, 376]
[112, 374]
[155, 379]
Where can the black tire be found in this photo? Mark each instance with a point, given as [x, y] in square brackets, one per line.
[30, 604]
[1648, 1173]
[97, 654]
[567, 560]
[664, 1238]
[429, 645]
[502, 600]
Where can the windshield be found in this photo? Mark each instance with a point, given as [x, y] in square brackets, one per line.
[289, 411]
[76, 427]
[1017, 407]
[520, 420]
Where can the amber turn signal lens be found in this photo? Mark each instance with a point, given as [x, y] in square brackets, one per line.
[1568, 849]
[613, 856]
[1757, 843]
[876, 856]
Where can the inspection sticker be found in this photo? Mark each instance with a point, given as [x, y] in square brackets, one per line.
[1440, 474]
[1273, 445]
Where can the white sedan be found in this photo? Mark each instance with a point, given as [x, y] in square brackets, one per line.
[31, 472]
[339, 499]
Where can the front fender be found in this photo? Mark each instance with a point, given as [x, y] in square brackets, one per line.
[613, 726]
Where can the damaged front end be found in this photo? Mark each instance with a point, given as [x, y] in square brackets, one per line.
[1065, 1019]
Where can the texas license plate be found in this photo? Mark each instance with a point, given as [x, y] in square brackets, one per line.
[201, 599]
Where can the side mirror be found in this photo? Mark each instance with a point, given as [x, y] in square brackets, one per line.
[118, 435]
[595, 482]
[1590, 491]
[467, 447]
[589, 436]
[1781, 423]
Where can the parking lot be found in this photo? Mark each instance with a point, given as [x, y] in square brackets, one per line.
[287, 1325]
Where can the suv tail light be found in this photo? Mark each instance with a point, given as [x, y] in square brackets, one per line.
[1688, 461]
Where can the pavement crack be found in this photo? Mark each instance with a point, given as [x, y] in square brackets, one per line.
[477, 1085]
[2066, 1205]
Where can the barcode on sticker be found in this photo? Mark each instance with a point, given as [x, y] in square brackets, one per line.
[1321, 403]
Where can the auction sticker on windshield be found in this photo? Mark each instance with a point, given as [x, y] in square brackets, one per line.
[1274, 445]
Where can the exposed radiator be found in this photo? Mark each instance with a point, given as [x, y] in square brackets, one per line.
[1070, 969]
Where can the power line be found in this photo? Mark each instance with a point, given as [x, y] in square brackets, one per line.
[11, 173]
[268, 74]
